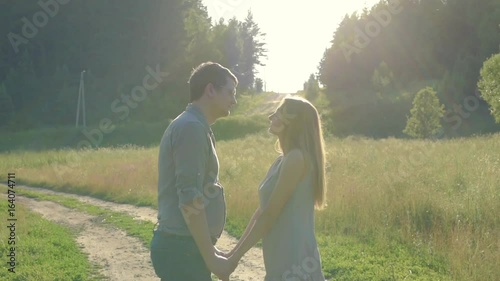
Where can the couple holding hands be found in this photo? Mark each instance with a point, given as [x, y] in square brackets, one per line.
[191, 203]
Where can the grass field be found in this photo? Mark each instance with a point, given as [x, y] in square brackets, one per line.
[397, 209]
[44, 250]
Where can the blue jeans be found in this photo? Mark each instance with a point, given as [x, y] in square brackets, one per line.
[177, 258]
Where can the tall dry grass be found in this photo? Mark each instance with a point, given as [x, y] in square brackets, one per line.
[438, 197]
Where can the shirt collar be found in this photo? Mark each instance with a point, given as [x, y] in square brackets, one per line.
[196, 111]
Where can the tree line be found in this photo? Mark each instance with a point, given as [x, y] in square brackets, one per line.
[137, 57]
[379, 59]
[125, 47]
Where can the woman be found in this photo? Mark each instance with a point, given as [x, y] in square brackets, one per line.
[293, 186]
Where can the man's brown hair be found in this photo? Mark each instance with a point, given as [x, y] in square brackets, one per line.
[205, 73]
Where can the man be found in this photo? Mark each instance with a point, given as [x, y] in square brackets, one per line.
[191, 204]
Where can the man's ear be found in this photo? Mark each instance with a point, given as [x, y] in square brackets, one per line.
[210, 90]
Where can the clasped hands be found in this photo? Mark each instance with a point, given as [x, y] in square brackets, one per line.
[223, 264]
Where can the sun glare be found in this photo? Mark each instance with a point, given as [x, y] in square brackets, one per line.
[297, 34]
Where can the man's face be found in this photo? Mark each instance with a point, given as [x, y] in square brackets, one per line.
[224, 98]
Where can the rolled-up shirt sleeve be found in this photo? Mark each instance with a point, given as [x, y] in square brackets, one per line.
[190, 152]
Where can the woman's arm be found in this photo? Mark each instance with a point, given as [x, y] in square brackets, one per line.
[251, 223]
[292, 170]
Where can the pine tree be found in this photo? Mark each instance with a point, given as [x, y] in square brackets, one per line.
[259, 85]
[383, 81]
[311, 87]
[252, 51]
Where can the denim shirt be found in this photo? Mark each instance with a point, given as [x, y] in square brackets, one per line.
[188, 170]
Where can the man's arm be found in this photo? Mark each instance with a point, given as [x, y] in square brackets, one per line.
[196, 221]
[191, 154]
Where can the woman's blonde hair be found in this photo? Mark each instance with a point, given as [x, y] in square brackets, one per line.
[303, 131]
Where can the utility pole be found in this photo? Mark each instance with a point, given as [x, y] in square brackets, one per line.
[265, 79]
[81, 100]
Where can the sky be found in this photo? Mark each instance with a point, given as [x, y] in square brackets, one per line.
[297, 34]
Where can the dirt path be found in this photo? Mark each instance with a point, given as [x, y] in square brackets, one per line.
[130, 262]
[269, 105]
[119, 256]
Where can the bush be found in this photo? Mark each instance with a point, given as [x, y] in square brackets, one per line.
[426, 113]
[489, 85]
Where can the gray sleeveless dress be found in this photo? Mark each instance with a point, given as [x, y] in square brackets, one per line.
[290, 249]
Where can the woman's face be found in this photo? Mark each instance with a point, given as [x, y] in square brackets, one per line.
[277, 125]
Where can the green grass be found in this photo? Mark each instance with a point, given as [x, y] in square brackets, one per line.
[143, 230]
[346, 258]
[44, 250]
